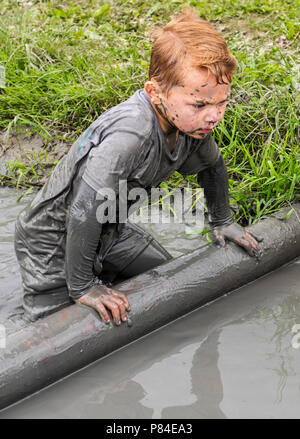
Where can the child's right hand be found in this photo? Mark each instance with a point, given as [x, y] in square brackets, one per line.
[102, 299]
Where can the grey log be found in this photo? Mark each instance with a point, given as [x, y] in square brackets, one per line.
[53, 347]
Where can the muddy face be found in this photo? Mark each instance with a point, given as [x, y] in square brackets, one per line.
[195, 107]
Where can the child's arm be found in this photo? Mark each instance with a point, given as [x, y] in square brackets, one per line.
[108, 163]
[214, 181]
[208, 163]
[83, 237]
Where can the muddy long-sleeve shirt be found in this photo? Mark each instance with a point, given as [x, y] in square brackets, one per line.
[60, 228]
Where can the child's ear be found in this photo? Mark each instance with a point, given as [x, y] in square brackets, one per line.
[153, 91]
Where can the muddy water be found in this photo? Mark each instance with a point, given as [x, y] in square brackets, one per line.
[10, 279]
[237, 357]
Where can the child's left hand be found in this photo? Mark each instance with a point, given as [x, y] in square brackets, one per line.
[243, 237]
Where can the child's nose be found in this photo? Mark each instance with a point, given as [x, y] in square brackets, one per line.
[212, 114]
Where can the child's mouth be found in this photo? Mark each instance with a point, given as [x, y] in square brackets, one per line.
[204, 131]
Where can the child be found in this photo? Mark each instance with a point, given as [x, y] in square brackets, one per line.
[65, 253]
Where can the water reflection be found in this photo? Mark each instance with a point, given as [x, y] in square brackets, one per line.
[172, 381]
[282, 319]
[260, 369]
[206, 383]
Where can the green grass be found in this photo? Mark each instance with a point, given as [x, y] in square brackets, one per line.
[67, 62]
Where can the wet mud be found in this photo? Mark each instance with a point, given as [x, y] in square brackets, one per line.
[25, 146]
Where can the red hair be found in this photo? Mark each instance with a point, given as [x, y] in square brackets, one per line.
[188, 38]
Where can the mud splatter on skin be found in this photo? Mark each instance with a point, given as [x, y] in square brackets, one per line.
[183, 105]
[173, 130]
[161, 109]
[166, 113]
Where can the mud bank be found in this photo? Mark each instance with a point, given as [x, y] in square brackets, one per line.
[23, 150]
[58, 345]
